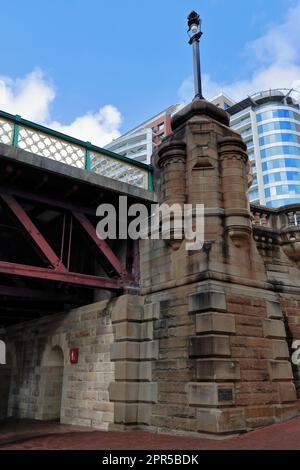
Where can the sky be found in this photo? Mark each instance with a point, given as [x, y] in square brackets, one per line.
[96, 68]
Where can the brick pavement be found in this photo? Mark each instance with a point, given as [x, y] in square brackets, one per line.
[285, 436]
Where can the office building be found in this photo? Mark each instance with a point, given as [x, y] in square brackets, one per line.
[269, 123]
[140, 142]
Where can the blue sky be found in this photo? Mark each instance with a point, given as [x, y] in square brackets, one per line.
[96, 68]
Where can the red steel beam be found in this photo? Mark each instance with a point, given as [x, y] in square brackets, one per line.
[34, 233]
[101, 244]
[47, 201]
[83, 280]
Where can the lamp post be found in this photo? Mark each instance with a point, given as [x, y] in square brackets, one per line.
[195, 33]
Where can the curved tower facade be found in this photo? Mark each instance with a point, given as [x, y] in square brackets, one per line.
[269, 123]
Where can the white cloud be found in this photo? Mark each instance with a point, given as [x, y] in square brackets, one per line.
[32, 96]
[276, 61]
[99, 128]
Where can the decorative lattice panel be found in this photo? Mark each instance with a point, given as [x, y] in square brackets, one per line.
[6, 132]
[106, 166]
[51, 147]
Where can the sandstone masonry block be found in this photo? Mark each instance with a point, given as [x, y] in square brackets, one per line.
[134, 331]
[132, 413]
[133, 392]
[280, 370]
[130, 350]
[210, 394]
[287, 392]
[215, 323]
[209, 345]
[208, 300]
[218, 421]
[127, 308]
[217, 369]
[133, 371]
[274, 329]
[274, 310]
[151, 311]
[280, 349]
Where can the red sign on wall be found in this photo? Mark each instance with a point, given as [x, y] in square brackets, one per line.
[74, 355]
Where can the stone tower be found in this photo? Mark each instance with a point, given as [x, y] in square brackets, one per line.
[222, 364]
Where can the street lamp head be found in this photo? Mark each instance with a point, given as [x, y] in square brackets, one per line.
[194, 22]
[195, 33]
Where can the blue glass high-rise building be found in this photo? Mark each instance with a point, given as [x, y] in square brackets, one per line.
[269, 123]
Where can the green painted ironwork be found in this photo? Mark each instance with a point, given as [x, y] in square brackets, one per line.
[44, 141]
[15, 138]
[87, 163]
[150, 180]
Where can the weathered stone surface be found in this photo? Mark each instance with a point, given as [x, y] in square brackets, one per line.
[274, 329]
[274, 310]
[134, 331]
[151, 311]
[218, 421]
[215, 323]
[287, 392]
[127, 308]
[285, 412]
[280, 370]
[210, 300]
[280, 349]
[133, 392]
[43, 347]
[217, 369]
[209, 346]
[132, 413]
[210, 394]
[134, 371]
[127, 350]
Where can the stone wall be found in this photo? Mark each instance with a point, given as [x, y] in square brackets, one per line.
[206, 346]
[35, 387]
[223, 365]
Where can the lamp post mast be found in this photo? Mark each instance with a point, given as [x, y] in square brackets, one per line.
[194, 24]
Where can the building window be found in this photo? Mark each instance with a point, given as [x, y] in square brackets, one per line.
[283, 202]
[246, 132]
[277, 113]
[280, 150]
[278, 126]
[253, 195]
[281, 163]
[282, 176]
[273, 138]
[282, 190]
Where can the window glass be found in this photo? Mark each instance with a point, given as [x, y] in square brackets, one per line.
[281, 190]
[282, 176]
[283, 202]
[277, 126]
[253, 195]
[273, 138]
[281, 163]
[280, 150]
[277, 113]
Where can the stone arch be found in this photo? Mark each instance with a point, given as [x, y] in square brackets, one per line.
[52, 373]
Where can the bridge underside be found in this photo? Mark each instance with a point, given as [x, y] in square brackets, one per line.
[50, 257]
